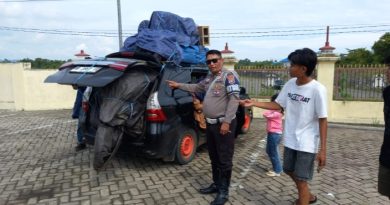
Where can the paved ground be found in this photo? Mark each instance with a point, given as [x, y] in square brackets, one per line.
[38, 165]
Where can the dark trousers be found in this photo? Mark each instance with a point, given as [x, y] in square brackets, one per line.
[221, 149]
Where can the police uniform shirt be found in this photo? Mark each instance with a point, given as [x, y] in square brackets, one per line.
[222, 94]
[384, 157]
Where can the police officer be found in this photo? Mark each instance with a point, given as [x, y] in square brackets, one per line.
[384, 157]
[221, 88]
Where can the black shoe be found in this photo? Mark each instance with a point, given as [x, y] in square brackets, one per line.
[80, 146]
[209, 190]
[223, 189]
[221, 198]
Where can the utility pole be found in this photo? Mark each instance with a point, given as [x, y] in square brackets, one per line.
[119, 24]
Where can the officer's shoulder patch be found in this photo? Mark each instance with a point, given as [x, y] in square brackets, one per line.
[231, 78]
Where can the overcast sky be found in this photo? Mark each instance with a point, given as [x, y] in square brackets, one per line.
[254, 29]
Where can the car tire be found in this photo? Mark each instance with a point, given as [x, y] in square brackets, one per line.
[186, 146]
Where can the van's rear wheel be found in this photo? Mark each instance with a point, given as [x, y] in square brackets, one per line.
[186, 146]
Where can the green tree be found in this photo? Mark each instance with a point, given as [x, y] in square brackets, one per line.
[265, 63]
[41, 63]
[357, 56]
[26, 60]
[6, 61]
[381, 48]
[245, 62]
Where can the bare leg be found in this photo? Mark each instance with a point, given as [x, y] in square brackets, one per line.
[304, 195]
[303, 192]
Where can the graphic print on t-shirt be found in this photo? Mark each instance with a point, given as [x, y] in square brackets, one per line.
[298, 97]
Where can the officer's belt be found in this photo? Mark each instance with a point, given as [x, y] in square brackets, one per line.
[214, 120]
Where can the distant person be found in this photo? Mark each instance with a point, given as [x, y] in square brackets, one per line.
[274, 136]
[384, 157]
[75, 115]
[304, 102]
[221, 88]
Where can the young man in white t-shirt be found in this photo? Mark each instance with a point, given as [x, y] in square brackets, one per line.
[304, 101]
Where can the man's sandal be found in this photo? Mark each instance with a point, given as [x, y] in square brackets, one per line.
[313, 201]
[310, 202]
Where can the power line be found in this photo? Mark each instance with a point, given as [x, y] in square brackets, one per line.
[63, 32]
[28, 0]
[299, 34]
[296, 27]
[112, 32]
[273, 33]
[304, 30]
[108, 31]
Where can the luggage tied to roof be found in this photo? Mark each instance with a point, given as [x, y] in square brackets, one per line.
[172, 37]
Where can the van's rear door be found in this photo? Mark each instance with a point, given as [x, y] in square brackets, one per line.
[95, 73]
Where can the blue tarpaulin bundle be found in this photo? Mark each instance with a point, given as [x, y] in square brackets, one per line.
[185, 28]
[174, 38]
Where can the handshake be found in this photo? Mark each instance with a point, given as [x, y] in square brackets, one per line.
[247, 102]
[265, 105]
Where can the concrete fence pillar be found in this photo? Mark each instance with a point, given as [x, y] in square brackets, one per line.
[325, 75]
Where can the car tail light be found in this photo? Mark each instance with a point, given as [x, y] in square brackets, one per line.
[86, 96]
[154, 113]
[85, 106]
[127, 54]
[118, 66]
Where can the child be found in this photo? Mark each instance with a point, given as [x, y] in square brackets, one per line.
[274, 136]
[304, 102]
[198, 113]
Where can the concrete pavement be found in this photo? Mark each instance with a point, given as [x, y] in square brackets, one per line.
[38, 165]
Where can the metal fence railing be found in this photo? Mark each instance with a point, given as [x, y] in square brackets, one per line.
[262, 82]
[351, 82]
[359, 82]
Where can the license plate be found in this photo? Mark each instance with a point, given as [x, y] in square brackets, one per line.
[83, 69]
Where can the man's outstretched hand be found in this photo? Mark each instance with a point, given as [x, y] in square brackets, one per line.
[246, 102]
[172, 84]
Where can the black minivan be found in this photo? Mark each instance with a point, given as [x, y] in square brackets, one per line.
[127, 101]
